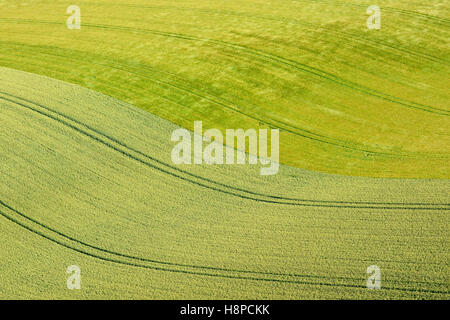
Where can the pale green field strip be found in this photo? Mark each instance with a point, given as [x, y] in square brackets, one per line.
[347, 100]
[87, 180]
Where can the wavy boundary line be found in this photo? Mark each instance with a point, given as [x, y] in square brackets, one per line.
[313, 203]
[226, 104]
[231, 106]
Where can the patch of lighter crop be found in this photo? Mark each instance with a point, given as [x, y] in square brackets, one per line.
[329, 110]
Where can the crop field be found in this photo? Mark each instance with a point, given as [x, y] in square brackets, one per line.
[87, 179]
[296, 65]
[83, 185]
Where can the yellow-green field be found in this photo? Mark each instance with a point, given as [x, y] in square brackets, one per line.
[86, 176]
[349, 100]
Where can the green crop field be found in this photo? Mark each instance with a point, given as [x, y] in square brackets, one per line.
[86, 176]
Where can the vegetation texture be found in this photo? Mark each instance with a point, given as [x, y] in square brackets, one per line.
[87, 180]
[348, 100]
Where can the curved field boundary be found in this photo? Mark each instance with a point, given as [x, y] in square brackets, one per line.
[136, 155]
[137, 261]
[272, 58]
[178, 85]
[273, 123]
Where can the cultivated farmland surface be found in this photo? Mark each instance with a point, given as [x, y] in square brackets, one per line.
[87, 180]
[348, 100]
